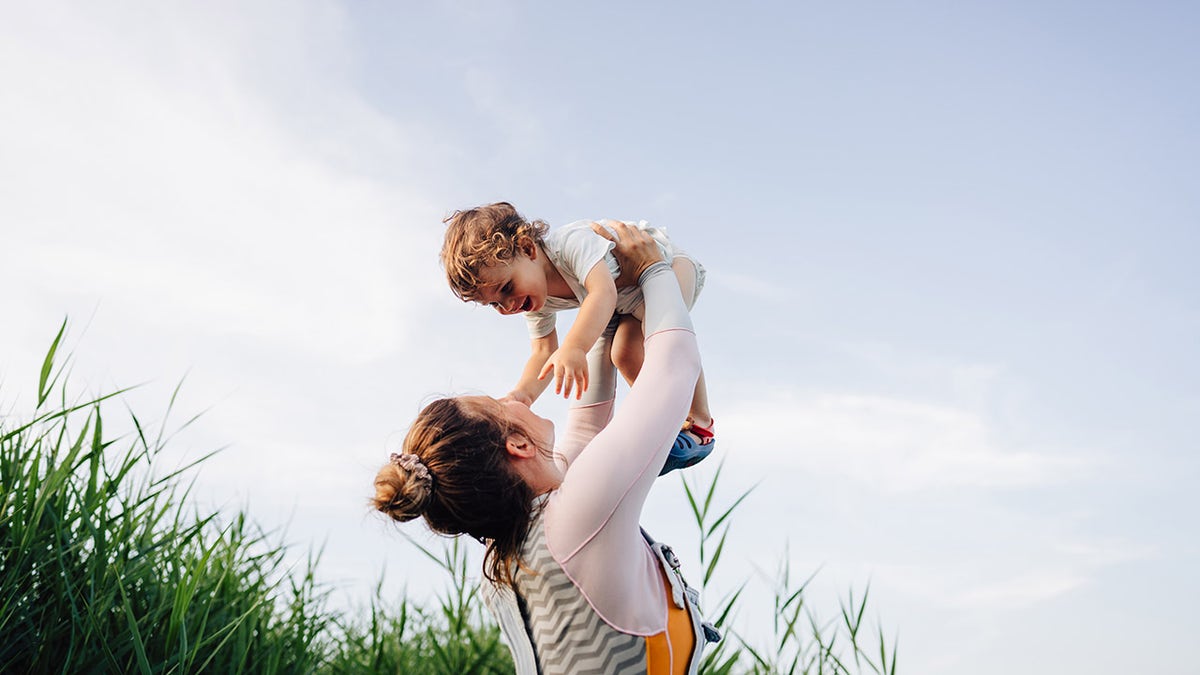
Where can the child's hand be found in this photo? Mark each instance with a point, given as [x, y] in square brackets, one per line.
[569, 365]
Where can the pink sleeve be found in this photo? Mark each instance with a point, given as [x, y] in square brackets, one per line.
[592, 520]
[583, 423]
[611, 478]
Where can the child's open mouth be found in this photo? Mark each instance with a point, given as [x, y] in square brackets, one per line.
[527, 305]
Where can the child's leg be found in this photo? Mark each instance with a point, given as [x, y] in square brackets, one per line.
[699, 413]
[592, 412]
[602, 385]
[685, 272]
[628, 348]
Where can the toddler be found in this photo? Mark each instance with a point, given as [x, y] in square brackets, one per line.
[494, 257]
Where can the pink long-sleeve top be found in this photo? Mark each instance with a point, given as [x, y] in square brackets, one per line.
[592, 519]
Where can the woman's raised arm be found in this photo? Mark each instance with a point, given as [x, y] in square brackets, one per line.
[609, 481]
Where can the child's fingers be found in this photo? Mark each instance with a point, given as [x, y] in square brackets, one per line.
[546, 370]
[581, 379]
[577, 384]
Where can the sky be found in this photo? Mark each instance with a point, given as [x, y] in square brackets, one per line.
[951, 322]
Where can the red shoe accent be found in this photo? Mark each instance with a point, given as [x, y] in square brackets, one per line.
[704, 434]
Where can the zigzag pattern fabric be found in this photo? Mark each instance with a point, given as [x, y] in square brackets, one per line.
[569, 638]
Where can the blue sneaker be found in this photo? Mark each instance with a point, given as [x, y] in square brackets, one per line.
[686, 451]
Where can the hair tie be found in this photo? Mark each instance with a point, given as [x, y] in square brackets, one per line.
[412, 464]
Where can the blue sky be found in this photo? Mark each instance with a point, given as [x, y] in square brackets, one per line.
[952, 316]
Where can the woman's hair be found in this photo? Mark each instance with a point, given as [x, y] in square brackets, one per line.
[482, 237]
[462, 483]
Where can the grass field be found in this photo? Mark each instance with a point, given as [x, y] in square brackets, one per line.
[105, 567]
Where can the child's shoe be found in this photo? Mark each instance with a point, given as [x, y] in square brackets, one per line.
[692, 445]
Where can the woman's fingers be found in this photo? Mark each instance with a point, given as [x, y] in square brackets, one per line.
[623, 231]
[603, 231]
[635, 249]
[619, 232]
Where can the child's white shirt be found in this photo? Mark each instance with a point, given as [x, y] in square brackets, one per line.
[574, 249]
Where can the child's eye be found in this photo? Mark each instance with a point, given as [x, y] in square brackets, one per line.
[507, 288]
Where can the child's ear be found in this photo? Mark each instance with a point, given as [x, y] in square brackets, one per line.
[527, 246]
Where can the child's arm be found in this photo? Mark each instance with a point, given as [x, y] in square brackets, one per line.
[569, 362]
[529, 387]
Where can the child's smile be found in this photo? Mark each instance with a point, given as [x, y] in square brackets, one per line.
[513, 288]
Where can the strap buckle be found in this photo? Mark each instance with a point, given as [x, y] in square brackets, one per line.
[669, 555]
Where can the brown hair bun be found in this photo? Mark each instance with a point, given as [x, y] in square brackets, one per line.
[403, 487]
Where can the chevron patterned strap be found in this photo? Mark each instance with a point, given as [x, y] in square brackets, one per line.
[552, 629]
[568, 636]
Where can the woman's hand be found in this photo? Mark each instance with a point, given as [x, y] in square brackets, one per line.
[635, 250]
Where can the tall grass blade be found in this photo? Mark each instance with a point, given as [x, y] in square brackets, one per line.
[45, 384]
[135, 634]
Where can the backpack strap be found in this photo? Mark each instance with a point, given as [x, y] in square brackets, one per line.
[504, 605]
[705, 631]
[502, 601]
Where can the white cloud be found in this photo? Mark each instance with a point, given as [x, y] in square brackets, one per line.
[895, 445]
[1040, 562]
[1023, 590]
[143, 164]
[202, 187]
[986, 587]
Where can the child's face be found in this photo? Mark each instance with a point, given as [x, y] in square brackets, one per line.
[512, 288]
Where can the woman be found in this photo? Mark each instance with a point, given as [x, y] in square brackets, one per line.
[577, 589]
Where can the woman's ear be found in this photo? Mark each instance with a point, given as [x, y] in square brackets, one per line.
[519, 445]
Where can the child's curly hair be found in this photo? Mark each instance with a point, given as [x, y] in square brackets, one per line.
[482, 237]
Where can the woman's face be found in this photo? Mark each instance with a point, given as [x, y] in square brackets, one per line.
[539, 429]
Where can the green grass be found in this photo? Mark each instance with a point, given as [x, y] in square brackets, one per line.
[800, 643]
[455, 636]
[105, 568]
